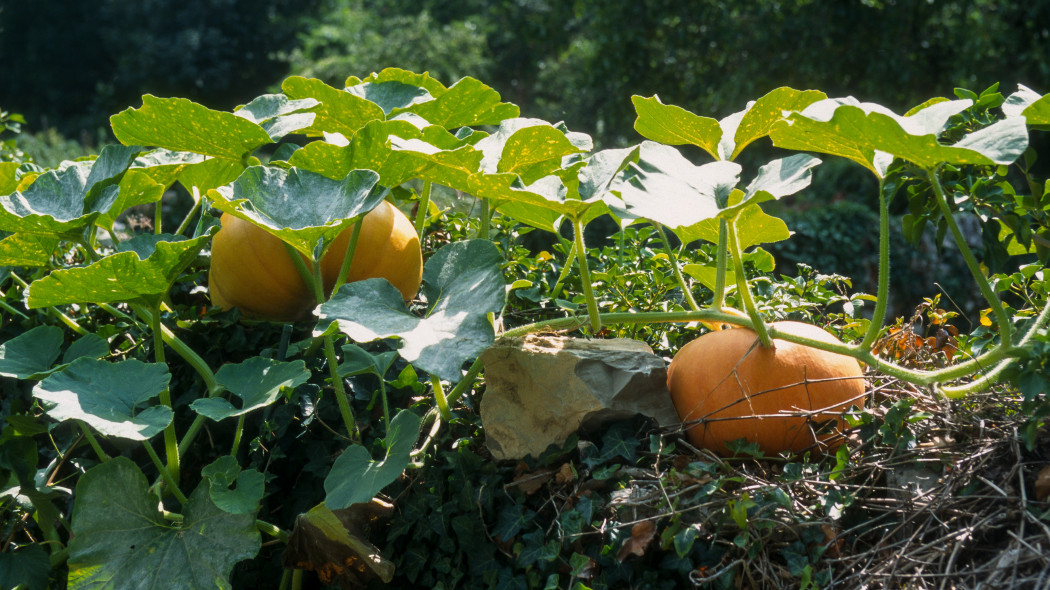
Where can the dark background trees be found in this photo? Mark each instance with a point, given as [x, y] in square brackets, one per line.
[71, 64]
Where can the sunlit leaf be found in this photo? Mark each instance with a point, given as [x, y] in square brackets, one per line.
[335, 544]
[673, 125]
[338, 112]
[300, 207]
[27, 249]
[755, 121]
[181, 125]
[108, 396]
[144, 267]
[278, 115]
[257, 381]
[462, 282]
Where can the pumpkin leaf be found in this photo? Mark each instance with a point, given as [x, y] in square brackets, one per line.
[28, 568]
[356, 477]
[334, 543]
[121, 538]
[257, 381]
[664, 187]
[529, 148]
[143, 269]
[278, 115]
[390, 95]
[232, 489]
[337, 111]
[181, 125]
[304, 209]
[23, 249]
[468, 102]
[31, 353]
[861, 131]
[66, 200]
[358, 361]
[462, 282]
[107, 396]
[673, 125]
[754, 122]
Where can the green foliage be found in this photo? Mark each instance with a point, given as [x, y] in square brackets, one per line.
[115, 367]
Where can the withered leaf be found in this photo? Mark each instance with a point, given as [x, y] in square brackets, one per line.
[642, 534]
[335, 544]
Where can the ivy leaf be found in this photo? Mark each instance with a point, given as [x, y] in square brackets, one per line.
[355, 477]
[107, 396]
[120, 539]
[232, 489]
[462, 282]
[143, 269]
[278, 115]
[257, 381]
[300, 207]
[31, 353]
[181, 125]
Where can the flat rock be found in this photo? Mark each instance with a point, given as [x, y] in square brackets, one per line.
[540, 389]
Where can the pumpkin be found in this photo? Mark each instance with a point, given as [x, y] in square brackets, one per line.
[787, 397]
[251, 269]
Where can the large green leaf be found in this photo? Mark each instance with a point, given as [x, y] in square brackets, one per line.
[70, 198]
[257, 381]
[137, 187]
[1029, 104]
[122, 541]
[863, 132]
[356, 477]
[665, 187]
[530, 148]
[462, 283]
[144, 268]
[278, 115]
[108, 396]
[754, 122]
[390, 95]
[181, 125]
[8, 182]
[338, 112]
[673, 125]
[164, 166]
[303, 208]
[30, 353]
[27, 249]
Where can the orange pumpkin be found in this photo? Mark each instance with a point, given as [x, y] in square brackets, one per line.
[251, 269]
[787, 397]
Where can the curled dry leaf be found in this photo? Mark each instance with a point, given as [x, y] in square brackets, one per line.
[642, 535]
[1042, 484]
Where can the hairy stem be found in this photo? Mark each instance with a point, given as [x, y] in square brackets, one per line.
[171, 442]
[585, 276]
[742, 287]
[674, 267]
[883, 289]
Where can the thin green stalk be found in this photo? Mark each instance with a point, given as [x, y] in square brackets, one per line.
[465, 383]
[486, 215]
[171, 442]
[337, 384]
[758, 325]
[158, 217]
[348, 258]
[68, 321]
[197, 202]
[569, 260]
[90, 436]
[674, 266]
[720, 265]
[423, 209]
[171, 482]
[585, 276]
[440, 399]
[883, 289]
[1002, 317]
[237, 435]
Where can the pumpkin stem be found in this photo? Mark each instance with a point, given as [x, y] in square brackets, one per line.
[745, 291]
[882, 295]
